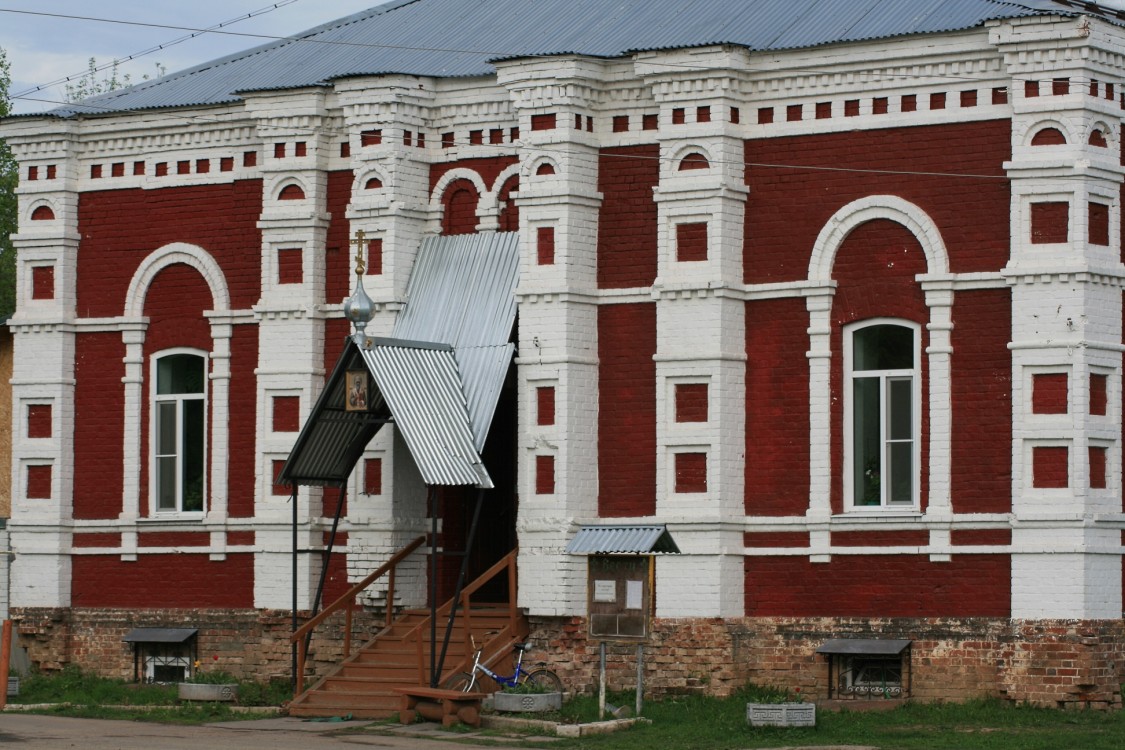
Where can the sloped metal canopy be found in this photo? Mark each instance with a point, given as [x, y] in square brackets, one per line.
[159, 635]
[622, 540]
[438, 377]
[864, 646]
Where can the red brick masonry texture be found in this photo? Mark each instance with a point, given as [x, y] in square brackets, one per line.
[1052, 663]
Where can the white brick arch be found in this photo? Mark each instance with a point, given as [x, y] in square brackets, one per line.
[35, 206]
[889, 207]
[532, 167]
[498, 183]
[361, 179]
[1026, 132]
[671, 166]
[1108, 130]
[449, 178]
[177, 252]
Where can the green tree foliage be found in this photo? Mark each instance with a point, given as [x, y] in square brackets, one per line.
[92, 83]
[8, 178]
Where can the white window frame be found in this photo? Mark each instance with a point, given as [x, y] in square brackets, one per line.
[154, 400]
[885, 376]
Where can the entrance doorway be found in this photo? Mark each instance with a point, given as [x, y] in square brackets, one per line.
[496, 529]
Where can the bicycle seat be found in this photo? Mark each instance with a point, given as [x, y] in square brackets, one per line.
[522, 647]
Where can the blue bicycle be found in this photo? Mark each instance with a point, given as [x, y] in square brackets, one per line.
[484, 680]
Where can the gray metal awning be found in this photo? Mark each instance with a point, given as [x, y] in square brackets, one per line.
[864, 646]
[622, 540]
[438, 377]
[160, 635]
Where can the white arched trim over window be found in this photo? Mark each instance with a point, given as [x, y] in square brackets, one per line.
[891, 207]
[177, 252]
[178, 433]
[882, 414]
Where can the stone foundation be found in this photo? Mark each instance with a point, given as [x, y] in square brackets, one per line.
[1048, 663]
[1063, 663]
[249, 644]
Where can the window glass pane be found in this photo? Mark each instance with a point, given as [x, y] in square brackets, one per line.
[866, 441]
[166, 428]
[192, 447]
[166, 483]
[883, 347]
[900, 421]
[179, 373]
[900, 461]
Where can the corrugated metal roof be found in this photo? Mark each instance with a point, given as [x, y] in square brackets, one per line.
[439, 377]
[864, 646]
[462, 292]
[159, 635]
[622, 540]
[423, 390]
[455, 38]
[333, 438]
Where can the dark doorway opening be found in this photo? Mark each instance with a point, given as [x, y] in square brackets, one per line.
[496, 529]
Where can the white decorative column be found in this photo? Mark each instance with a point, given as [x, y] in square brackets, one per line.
[1066, 279]
[701, 330]
[390, 204]
[294, 129]
[43, 361]
[558, 325]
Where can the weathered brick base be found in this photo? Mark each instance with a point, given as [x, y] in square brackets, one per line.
[250, 644]
[1051, 663]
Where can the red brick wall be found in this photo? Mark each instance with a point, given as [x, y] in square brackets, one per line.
[121, 227]
[951, 659]
[339, 266]
[1050, 467]
[777, 407]
[241, 432]
[627, 410]
[788, 206]
[981, 393]
[1050, 222]
[691, 402]
[1049, 393]
[878, 586]
[99, 434]
[173, 581]
[627, 221]
[875, 269]
[459, 208]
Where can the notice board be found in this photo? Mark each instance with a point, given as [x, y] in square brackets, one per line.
[619, 593]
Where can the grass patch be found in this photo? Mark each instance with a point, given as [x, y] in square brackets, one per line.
[703, 723]
[80, 694]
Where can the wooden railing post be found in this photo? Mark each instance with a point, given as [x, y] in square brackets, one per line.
[346, 601]
[390, 596]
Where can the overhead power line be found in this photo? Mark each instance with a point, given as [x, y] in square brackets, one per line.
[148, 51]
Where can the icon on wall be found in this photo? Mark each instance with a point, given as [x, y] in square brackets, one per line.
[357, 390]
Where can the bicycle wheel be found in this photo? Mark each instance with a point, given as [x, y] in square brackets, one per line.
[459, 681]
[545, 679]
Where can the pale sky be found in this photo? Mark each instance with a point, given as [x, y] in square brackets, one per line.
[45, 48]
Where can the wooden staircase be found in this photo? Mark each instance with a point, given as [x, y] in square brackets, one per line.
[363, 684]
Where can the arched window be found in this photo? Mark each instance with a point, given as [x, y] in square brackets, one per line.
[694, 160]
[179, 408]
[882, 397]
[291, 193]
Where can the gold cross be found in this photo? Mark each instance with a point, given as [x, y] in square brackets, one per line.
[360, 243]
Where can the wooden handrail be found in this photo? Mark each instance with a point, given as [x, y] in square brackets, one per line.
[346, 601]
[508, 563]
[349, 596]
